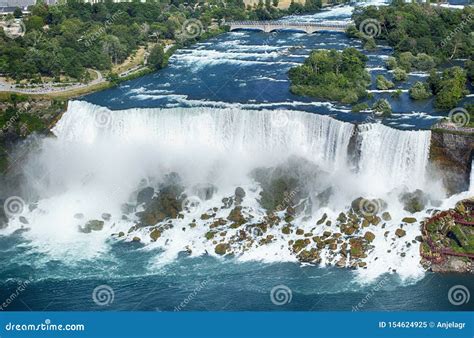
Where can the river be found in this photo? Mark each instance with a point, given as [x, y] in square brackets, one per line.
[221, 109]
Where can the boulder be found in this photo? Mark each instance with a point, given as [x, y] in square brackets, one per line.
[239, 195]
[409, 220]
[309, 256]
[155, 234]
[236, 216]
[221, 249]
[93, 225]
[414, 201]
[386, 216]
[400, 232]
[369, 236]
[145, 195]
[357, 248]
[167, 204]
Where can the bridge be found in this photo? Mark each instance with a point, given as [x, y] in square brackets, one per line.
[270, 26]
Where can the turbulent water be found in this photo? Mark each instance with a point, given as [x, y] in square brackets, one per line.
[218, 113]
[100, 159]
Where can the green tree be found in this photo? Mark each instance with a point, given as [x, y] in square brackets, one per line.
[157, 58]
[17, 13]
[419, 91]
[399, 74]
[382, 107]
[382, 83]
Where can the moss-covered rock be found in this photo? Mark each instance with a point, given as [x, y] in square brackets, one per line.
[93, 225]
[369, 236]
[322, 219]
[309, 256]
[409, 219]
[386, 216]
[300, 244]
[167, 204]
[400, 232]
[155, 234]
[221, 249]
[357, 248]
[414, 201]
[239, 195]
[236, 216]
[210, 235]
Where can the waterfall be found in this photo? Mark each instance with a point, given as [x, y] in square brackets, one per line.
[100, 159]
[471, 180]
[398, 158]
[227, 131]
[388, 158]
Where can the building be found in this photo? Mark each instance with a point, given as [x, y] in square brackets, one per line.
[283, 4]
[23, 4]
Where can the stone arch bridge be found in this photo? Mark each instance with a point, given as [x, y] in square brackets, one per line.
[270, 26]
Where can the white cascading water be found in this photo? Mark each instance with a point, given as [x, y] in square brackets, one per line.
[100, 158]
[393, 158]
[471, 179]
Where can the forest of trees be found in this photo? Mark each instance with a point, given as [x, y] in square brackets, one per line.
[424, 37]
[332, 75]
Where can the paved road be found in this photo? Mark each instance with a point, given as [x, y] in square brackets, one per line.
[50, 88]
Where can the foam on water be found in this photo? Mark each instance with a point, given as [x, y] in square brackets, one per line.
[99, 159]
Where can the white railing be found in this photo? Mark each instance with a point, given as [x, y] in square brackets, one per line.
[285, 24]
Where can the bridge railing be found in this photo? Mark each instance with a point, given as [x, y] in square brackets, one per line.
[285, 24]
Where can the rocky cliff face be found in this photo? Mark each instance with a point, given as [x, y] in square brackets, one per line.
[451, 152]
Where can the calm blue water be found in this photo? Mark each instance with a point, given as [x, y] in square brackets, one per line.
[248, 69]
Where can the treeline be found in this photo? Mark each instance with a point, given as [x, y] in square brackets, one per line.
[332, 75]
[442, 33]
[423, 37]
